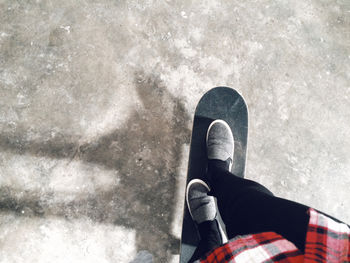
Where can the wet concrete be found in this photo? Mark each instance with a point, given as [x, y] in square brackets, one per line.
[96, 106]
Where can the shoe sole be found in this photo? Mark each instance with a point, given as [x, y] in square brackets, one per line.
[188, 188]
[228, 127]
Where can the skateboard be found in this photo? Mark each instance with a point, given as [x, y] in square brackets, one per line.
[218, 103]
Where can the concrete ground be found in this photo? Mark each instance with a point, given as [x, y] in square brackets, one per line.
[96, 107]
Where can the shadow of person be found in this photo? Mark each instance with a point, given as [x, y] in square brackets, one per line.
[146, 152]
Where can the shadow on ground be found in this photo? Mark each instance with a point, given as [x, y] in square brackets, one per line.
[146, 152]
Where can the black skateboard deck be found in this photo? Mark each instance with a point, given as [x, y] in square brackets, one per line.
[218, 103]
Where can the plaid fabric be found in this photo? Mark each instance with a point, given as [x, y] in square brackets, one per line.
[326, 241]
[263, 247]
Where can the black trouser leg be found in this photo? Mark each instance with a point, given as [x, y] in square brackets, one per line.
[210, 238]
[247, 207]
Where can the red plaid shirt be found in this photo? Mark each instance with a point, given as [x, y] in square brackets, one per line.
[326, 241]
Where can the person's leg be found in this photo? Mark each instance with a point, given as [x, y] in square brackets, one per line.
[248, 207]
[203, 211]
[210, 238]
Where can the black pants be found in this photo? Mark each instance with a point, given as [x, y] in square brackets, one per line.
[247, 207]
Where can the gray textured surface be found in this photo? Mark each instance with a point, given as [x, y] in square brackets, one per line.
[96, 101]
